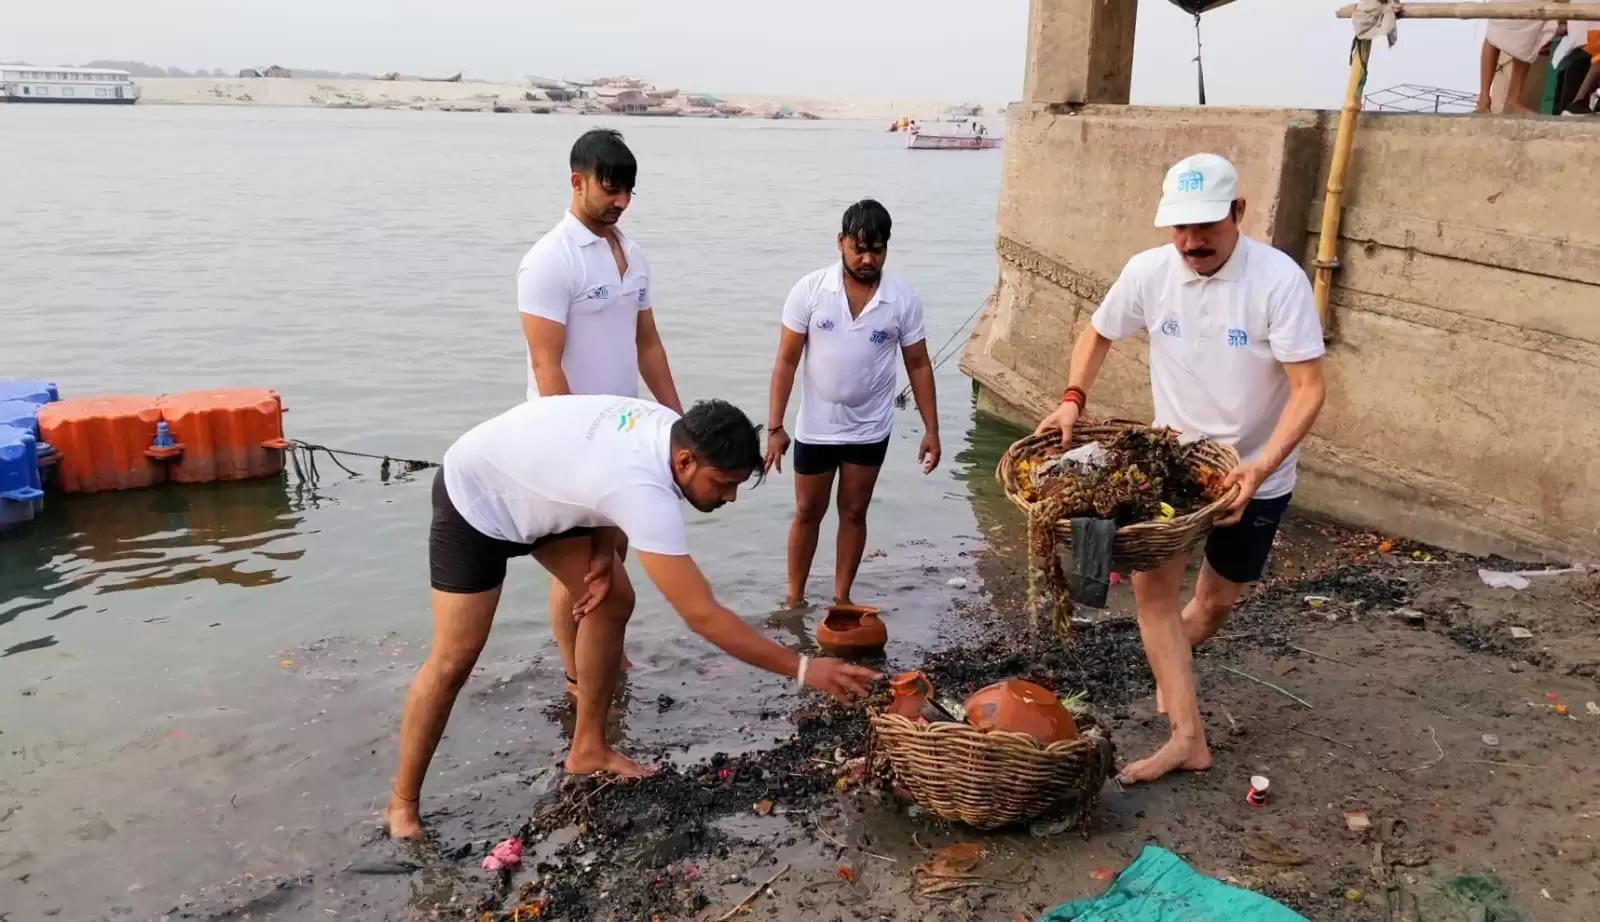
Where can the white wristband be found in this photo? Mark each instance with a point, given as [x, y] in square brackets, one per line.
[800, 674]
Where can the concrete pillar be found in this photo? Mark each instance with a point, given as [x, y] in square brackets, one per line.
[1080, 51]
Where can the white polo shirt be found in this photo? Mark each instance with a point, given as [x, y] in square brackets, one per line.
[565, 461]
[1217, 343]
[847, 372]
[570, 277]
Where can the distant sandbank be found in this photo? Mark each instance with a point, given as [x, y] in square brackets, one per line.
[310, 92]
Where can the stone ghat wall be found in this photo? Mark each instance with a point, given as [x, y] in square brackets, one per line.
[1464, 361]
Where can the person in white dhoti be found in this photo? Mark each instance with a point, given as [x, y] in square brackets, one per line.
[1521, 40]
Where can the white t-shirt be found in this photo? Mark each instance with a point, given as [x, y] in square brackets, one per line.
[560, 462]
[570, 277]
[847, 372]
[1217, 343]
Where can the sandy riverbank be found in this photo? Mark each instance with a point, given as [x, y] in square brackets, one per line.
[428, 95]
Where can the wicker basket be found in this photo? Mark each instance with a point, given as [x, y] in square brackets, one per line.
[990, 779]
[1142, 545]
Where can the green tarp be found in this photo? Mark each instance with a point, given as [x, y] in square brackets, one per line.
[1159, 887]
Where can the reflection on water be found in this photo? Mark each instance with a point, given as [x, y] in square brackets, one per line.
[235, 534]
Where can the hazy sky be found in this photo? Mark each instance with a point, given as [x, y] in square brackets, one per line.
[1268, 52]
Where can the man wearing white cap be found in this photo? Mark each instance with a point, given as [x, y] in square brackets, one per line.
[1236, 356]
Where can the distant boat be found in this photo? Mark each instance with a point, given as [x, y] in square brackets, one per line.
[960, 135]
[27, 83]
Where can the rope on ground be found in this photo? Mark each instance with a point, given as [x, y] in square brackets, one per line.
[944, 354]
[303, 460]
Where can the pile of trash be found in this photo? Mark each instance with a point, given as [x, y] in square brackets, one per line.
[1140, 475]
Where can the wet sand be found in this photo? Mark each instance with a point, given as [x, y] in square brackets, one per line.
[1394, 732]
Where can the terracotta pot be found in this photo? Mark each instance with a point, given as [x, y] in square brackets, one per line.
[912, 693]
[1020, 706]
[852, 630]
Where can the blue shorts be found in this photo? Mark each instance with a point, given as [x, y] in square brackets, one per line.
[811, 458]
[1239, 552]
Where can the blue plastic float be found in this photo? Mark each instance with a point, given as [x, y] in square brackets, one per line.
[20, 495]
[32, 391]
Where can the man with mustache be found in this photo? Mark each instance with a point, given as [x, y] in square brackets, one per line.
[584, 294]
[1235, 355]
[846, 323]
[563, 479]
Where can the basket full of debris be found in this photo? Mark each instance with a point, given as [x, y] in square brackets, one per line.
[1163, 492]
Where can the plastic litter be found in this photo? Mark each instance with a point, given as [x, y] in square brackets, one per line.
[1518, 579]
[1258, 791]
[1489, 739]
[1521, 633]
[504, 855]
[1499, 579]
[956, 582]
[1593, 709]
[1356, 821]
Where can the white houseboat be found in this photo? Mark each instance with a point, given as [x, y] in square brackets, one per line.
[966, 134]
[28, 83]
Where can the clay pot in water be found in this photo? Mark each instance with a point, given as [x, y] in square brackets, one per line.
[852, 630]
[1020, 706]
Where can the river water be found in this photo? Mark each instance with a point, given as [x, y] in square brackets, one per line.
[202, 685]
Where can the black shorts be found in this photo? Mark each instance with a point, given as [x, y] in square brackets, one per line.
[825, 459]
[1239, 552]
[464, 559]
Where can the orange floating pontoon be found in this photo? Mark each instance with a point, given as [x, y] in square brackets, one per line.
[224, 434]
[102, 442]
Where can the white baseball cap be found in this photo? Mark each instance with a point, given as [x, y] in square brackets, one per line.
[1198, 190]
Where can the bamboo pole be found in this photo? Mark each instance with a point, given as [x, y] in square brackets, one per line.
[1491, 10]
[1344, 141]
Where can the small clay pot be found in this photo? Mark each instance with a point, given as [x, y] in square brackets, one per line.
[852, 630]
[1020, 706]
[912, 695]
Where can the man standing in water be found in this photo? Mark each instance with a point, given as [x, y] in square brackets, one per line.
[584, 294]
[1235, 355]
[566, 479]
[846, 323]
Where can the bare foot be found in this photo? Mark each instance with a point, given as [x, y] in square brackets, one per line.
[607, 761]
[1189, 755]
[792, 603]
[401, 820]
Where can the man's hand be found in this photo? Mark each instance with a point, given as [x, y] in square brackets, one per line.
[838, 680]
[777, 447]
[928, 452]
[1247, 477]
[597, 582]
[1062, 418]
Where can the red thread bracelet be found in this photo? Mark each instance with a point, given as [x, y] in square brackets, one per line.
[1075, 395]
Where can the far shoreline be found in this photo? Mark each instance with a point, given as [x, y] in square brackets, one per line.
[427, 95]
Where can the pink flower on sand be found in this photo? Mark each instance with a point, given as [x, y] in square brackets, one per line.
[504, 855]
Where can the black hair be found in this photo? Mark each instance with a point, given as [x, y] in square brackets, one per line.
[867, 223]
[720, 435]
[600, 153]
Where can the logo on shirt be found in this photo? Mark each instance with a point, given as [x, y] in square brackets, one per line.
[1170, 327]
[878, 337]
[627, 420]
[824, 324]
[600, 292]
[1238, 337]
[1192, 181]
[644, 296]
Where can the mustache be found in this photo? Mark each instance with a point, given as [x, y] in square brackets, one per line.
[1199, 252]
